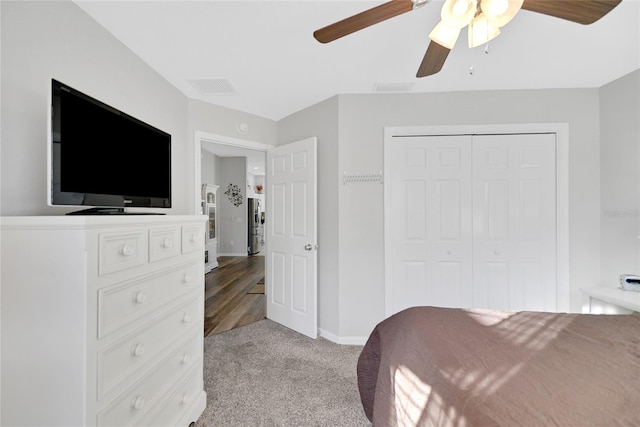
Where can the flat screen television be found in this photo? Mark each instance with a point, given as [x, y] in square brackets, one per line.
[102, 158]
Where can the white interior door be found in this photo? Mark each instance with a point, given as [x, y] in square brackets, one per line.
[514, 230]
[430, 212]
[291, 227]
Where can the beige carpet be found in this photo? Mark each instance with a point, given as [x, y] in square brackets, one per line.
[264, 374]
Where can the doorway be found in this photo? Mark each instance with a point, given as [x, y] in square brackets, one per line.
[230, 298]
[234, 294]
[291, 228]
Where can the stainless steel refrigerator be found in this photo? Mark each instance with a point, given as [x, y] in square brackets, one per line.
[255, 226]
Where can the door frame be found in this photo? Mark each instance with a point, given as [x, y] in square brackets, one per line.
[561, 130]
[201, 136]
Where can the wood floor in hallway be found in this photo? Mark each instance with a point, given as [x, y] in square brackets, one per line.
[229, 302]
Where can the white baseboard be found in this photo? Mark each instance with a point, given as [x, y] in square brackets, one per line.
[234, 254]
[341, 340]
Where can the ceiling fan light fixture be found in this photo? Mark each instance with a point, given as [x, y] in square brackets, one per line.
[481, 30]
[445, 35]
[458, 13]
[512, 9]
[494, 8]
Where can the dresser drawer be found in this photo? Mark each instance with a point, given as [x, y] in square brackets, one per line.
[120, 251]
[137, 400]
[164, 243]
[119, 305]
[192, 238]
[185, 395]
[131, 356]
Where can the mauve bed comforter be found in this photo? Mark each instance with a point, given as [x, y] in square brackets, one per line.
[432, 366]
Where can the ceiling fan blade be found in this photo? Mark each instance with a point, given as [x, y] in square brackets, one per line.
[363, 20]
[433, 60]
[580, 11]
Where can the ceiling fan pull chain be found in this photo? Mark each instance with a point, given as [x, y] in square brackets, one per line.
[486, 47]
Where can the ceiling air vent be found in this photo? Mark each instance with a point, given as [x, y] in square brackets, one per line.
[393, 87]
[213, 86]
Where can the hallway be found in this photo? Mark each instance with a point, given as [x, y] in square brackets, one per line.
[231, 300]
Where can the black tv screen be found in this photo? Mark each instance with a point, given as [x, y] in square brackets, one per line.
[104, 158]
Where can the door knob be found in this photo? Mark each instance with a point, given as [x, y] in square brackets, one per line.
[308, 247]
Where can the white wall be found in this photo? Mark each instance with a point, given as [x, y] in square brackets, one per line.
[218, 120]
[233, 235]
[620, 178]
[208, 167]
[45, 40]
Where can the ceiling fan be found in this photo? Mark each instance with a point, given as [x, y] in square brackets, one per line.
[483, 18]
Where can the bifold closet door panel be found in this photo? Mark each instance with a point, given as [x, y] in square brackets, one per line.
[430, 216]
[514, 222]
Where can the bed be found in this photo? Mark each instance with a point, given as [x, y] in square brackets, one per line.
[432, 366]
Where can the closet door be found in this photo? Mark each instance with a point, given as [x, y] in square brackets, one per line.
[470, 221]
[514, 222]
[428, 220]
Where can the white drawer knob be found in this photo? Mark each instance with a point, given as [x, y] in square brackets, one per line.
[186, 278]
[195, 237]
[184, 399]
[140, 297]
[138, 403]
[138, 350]
[185, 359]
[167, 243]
[127, 250]
[186, 318]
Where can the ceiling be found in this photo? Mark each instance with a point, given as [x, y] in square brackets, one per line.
[260, 57]
[255, 158]
[265, 54]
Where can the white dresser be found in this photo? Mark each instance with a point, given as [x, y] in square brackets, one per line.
[102, 320]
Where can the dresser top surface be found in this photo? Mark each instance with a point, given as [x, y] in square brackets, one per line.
[95, 221]
[628, 299]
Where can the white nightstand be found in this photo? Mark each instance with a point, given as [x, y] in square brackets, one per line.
[603, 300]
